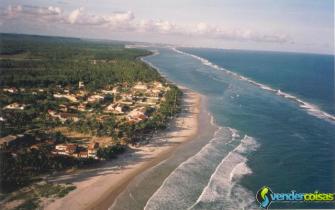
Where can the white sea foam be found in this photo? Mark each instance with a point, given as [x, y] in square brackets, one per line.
[129, 46]
[238, 171]
[186, 182]
[212, 119]
[309, 107]
[222, 187]
[154, 52]
[234, 133]
[212, 173]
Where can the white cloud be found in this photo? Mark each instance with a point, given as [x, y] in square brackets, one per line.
[121, 16]
[74, 15]
[12, 11]
[56, 10]
[81, 17]
[126, 22]
[202, 28]
[27, 12]
[165, 26]
[216, 32]
[157, 26]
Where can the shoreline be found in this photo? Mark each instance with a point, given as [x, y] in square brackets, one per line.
[137, 193]
[98, 188]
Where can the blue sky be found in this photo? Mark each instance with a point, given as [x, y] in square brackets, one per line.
[285, 25]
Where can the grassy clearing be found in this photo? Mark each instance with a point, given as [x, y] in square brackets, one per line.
[53, 190]
[30, 198]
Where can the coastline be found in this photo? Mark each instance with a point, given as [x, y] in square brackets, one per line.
[97, 188]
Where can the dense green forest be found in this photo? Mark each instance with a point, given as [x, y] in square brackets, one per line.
[54, 64]
[36, 61]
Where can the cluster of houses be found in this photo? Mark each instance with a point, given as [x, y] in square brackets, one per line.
[70, 149]
[130, 103]
[77, 151]
[63, 116]
[16, 105]
[10, 90]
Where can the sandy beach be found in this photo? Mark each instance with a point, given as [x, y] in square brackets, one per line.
[98, 187]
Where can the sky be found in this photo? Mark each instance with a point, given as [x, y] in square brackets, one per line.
[285, 25]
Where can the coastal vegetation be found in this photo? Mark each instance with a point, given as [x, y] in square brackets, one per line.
[30, 198]
[70, 103]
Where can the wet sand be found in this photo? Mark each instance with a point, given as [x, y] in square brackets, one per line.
[142, 187]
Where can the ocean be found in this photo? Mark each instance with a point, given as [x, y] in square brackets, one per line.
[275, 126]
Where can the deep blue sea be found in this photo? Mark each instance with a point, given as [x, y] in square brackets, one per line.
[275, 113]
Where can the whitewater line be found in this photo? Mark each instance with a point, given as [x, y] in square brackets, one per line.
[186, 162]
[220, 165]
[309, 107]
[210, 180]
[166, 179]
[234, 135]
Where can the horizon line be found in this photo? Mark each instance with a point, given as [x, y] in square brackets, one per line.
[167, 44]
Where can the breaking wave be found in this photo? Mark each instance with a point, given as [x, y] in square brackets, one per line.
[309, 107]
[198, 176]
[223, 190]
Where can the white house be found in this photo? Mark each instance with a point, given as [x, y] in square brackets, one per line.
[95, 98]
[118, 108]
[81, 84]
[137, 115]
[10, 90]
[140, 87]
[68, 96]
[15, 106]
[92, 150]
